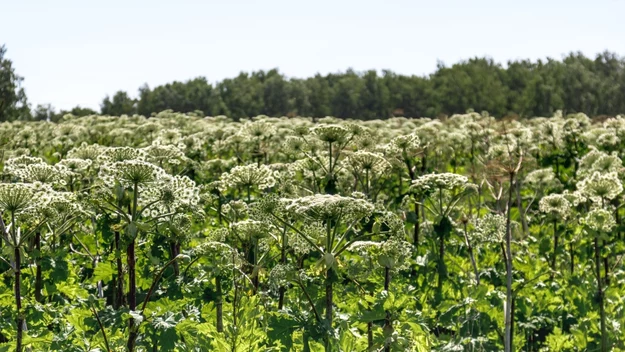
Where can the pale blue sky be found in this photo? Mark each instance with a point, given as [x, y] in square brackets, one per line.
[76, 52]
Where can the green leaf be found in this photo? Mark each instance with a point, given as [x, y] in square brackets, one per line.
[104, 271]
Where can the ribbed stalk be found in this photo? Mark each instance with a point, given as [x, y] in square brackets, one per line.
[18, 299]
[38, 273]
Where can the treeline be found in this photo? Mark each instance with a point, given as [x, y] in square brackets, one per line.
[524, 88]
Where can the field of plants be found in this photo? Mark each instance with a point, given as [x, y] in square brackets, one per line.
[188, 233]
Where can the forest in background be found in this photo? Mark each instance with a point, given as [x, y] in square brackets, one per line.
[525, 88]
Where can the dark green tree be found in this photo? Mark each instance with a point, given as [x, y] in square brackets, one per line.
[13, 102]
[121, 104]
[44, 112]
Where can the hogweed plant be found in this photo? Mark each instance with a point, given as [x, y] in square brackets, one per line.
[441, 194]
[557, 207]
[599, 222]
[180, 232]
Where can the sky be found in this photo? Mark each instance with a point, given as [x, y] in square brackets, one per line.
[77, 52]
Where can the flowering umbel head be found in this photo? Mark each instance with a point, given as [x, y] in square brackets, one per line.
[251, 175]
[599, 220]
[599, 186]
[16, 197]
[556, 205]
[324, 207]
[331, 133]
[130, 173]
[491, 228]
[427, 184]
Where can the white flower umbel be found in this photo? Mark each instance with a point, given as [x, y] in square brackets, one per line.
[76, 166]
[409, 144]
[600, 187]
[112, 155]
[165, 155]
[20, 162]
[86, 151]
[367, 168]
[331, 133]
[441, 191]
[130, 173]
[599, 220]
[324, 207]
[542, 179]
[16, 198]
[248, 177]
[556, 205]
[44, 173]
[491, 228]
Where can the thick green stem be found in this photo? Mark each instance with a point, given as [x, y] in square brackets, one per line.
[118, 300]
[255, 270]
[417, 227]
[219, 305]
[519, 203]
[106, 341]
[471, 256]
[572, 255]
[132, 281]
[38, 272]
[388, 326]
[18, 298]
[173, 249]
[329, 302]
[604, 337]
[132, 294]
[282, 289]
[555, 246]
[442, 270]
[508, 338]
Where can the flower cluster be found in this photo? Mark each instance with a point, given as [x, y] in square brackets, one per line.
[599, 220]
[542, 179]
[44, 173]
[178, 192]
[362, 161]
[427, 184]
[394, 254]
[406, 143]
[251, 229]
[555, 205]
[164, 154]
[325, 207]
[129, 173]
[491, 228]
[331, 133]
[599, 186]
[117, 154]
[251, 175]
[76, 166]
[17, 197]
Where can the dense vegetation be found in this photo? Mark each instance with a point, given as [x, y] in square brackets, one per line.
[524, 88]
[188, 233]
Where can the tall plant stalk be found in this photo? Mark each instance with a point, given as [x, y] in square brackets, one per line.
[600, 298]
[388, 325]
[508, 319]
[118, 300]
[282, 289]
[38, 272]
[471, 255]
[555, 246]
[18, 299]
[219, 304]
[132, 281]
